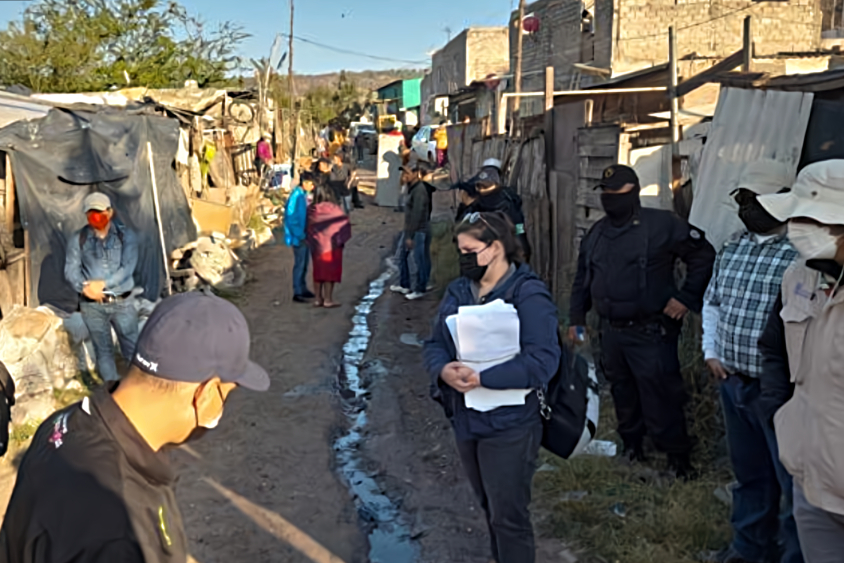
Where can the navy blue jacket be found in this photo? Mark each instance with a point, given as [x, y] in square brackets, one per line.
[533, 368]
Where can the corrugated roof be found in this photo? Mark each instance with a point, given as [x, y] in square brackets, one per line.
[813, 82]
[748, 125]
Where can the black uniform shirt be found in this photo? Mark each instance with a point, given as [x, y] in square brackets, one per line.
[628, 270]
[90, 489]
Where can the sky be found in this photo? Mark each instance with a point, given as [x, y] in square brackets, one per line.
[406, 30]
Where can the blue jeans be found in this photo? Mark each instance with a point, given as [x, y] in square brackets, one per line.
[422, 257]
[301, 255]
[763, 500]
[100, 318]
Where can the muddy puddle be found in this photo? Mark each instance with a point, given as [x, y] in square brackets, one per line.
[389, 537]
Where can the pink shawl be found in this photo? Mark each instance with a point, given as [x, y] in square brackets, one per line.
[328, 228]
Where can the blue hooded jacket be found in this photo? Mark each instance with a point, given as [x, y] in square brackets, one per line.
[295, 217]
[533, 368]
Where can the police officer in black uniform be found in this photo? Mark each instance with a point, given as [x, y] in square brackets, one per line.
[492, 197]
[626, 269]
[96, 485]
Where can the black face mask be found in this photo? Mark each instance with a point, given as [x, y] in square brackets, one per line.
[756, 218]
[620, 207]
[469, 267]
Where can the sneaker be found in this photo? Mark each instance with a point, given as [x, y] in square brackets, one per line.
[399, 289]
[430, 287]
[308, 294]
[414, 296]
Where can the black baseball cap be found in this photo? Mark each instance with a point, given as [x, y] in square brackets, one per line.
[192, 337]
[488, 176]
[616, 177]
[416, 165]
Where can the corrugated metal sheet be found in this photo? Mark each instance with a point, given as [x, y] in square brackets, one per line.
[15, 108]
[748, 125]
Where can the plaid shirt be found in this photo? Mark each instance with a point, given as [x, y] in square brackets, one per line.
[745, 283]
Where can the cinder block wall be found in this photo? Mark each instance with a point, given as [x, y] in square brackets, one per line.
[488, 52]
[710, 29]
[633, 34]
[448, 66]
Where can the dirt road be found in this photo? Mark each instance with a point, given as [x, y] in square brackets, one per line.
[265, 487]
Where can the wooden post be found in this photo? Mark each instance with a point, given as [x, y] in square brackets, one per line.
[27, 269]
[291, 87]
[747, 46]
[518, 74]
[672, 91]
[10, 197]
[159, 220]
[549, 88]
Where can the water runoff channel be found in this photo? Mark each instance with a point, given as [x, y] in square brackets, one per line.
[389, 536]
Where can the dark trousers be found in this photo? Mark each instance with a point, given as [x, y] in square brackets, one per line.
[356, 201]
[763, 500]
[643, 369]
[422, 257]
[301, 255]
[501, 470]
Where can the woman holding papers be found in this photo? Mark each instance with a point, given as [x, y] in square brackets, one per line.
[494, 343]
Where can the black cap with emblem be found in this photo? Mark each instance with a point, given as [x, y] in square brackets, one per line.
[616, 177]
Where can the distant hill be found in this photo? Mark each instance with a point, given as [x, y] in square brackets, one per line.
[365, 80]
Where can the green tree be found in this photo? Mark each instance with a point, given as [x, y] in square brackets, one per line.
[85, 45]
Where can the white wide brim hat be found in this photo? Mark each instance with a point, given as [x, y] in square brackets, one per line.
[818, 194]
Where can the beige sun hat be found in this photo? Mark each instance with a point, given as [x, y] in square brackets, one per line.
[818, 193]
[766, 176]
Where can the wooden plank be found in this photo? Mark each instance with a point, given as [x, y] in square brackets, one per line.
[709, 74]
[593, 168]
[27, 249]
[601, 135]
[588, 198]
[10, 197]
[606, 151]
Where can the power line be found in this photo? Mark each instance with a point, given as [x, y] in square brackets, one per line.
[722, 16]
[355, 53]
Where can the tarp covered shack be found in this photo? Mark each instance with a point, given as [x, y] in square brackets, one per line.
[59, 159]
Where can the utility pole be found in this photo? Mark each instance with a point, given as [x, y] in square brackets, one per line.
[518, 77]
[294, 119]
[747, 46]
[672, 91]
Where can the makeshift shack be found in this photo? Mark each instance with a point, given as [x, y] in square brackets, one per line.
[59, 159]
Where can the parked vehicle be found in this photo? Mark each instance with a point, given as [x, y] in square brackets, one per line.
[424, 144]
[370, 137]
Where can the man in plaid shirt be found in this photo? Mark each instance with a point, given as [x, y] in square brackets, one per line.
[745, 284]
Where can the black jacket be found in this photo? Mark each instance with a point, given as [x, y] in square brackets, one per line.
[338, 179]
[417, 210]
[90, 490]
[504, 200]
[7, 400]
[533, 368]
[627, 272]
[775, 379]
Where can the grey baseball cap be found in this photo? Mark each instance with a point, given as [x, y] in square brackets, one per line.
[193, 337]
[96, 202]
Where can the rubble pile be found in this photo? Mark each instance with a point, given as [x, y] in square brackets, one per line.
[39, 355]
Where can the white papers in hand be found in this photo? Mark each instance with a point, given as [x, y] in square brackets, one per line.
[486, 336]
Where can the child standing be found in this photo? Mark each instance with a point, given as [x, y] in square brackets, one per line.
[328, 232]
[295, 223]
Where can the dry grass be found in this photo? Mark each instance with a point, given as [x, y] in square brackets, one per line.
[665, 521]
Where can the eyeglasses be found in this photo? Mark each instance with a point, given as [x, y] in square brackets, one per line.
[473, 218]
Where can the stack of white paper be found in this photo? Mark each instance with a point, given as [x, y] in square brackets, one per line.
[486, 336]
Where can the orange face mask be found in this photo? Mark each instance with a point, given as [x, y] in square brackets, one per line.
[98, 220]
